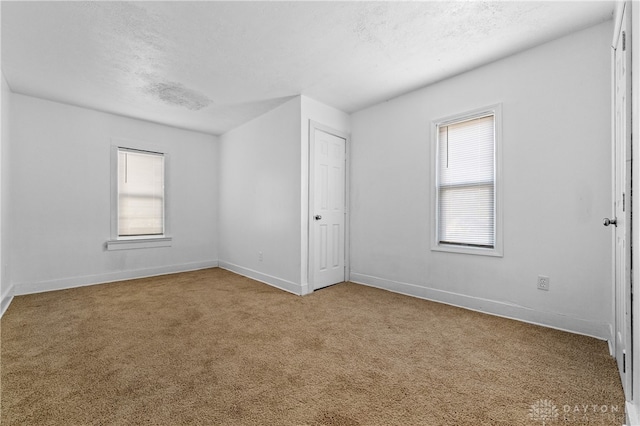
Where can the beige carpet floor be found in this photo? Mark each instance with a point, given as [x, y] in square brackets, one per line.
[213, 348]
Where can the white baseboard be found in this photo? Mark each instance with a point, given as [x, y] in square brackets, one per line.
[81, 281]
[633, 419]
[6, 299]
[493, 307]
[611, 341]
[285, 285]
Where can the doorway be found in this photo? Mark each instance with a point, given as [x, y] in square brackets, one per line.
[621, 221]
[327, 206]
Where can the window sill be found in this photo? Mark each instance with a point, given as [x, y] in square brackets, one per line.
[138, 243]
[495, 252]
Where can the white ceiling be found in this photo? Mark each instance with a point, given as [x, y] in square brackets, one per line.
[211, 66]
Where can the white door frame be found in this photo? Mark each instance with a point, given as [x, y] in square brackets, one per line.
[632, 408]
[629, 340]
[313, 126]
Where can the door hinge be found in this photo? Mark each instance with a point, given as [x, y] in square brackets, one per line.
[624, 362]
[624, 41]
[623, 201]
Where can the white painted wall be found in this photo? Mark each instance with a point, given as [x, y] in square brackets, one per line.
[557, 188]
[60, 197]
[259, 205]
[313, 110]
[6, 287]
[264, 166]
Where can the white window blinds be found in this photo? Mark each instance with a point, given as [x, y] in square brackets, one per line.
[140, 193]
[466, 183]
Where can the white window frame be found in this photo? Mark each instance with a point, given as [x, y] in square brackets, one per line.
[117, 242]
[497, 250]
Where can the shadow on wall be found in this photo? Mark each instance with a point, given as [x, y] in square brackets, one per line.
[233, 115]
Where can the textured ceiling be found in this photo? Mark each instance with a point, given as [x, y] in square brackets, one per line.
[211, 66]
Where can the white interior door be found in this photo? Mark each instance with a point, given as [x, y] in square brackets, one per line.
[622, 206]
[327, 185]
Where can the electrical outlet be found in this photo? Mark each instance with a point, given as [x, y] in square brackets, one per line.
[260, 256]
[543, 282]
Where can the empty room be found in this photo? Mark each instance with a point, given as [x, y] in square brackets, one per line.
[319, 213]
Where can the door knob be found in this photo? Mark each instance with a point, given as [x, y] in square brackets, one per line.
[318, 217]
[608, 222]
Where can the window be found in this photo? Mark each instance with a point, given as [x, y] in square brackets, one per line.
[140, 193]
[138, 199]
[467, 218]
